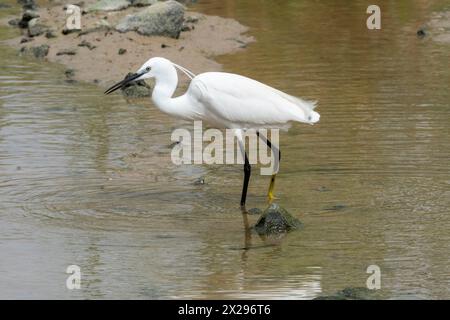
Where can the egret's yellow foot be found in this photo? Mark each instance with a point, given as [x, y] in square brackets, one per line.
[270, 195]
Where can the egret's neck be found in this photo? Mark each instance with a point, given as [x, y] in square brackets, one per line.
[165, 86]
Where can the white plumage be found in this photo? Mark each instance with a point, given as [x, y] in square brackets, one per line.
[224, 100]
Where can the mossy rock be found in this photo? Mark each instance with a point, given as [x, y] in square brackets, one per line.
[276, 220]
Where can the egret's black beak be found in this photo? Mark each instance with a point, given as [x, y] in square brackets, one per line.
[124, 82]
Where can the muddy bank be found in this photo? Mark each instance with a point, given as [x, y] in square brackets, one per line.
[104, 51]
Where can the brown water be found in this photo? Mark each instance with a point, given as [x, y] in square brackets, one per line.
[87, 179]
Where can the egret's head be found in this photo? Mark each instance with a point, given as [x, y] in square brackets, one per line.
[153, 68]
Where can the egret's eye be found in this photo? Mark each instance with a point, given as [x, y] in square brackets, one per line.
[148, 69]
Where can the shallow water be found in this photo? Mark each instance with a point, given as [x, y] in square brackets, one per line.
[87, 179]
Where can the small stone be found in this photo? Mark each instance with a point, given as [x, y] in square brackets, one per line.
[336, 207]
[24, 40]
[164, 46]
[50, 34]
[191, 19]
[136, 89]
[276, 220]
[421, 33]
[69, 31]
[38, 52]
[14, 22]
[254, 211]
[70, 73]
[162, 18]
[199, 181]
[87, 44]
[68, 52]
[122, 51]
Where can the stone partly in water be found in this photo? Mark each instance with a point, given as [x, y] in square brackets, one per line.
[136, 89]
[38, 52]
[109, 5]
[27, 16]
[162, 18]
[352, 294]
[276, 220]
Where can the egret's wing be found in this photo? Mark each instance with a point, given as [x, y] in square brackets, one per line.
[240, 100]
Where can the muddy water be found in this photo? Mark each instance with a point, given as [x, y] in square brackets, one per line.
[87, 179]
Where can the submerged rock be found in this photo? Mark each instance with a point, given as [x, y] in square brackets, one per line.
[162, 18]
[109, 5]
[275, 220]
[136, 89]
[350, 293]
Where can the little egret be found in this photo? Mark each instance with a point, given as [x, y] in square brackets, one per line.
[224, 100]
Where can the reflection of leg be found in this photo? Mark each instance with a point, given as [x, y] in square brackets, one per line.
[248, 233]
[275, 150]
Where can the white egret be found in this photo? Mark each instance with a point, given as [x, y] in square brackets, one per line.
[224, 100]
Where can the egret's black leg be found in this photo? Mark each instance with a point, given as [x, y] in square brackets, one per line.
[247, 173]
[277, 164]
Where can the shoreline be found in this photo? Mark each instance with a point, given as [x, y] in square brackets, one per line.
[101, 55]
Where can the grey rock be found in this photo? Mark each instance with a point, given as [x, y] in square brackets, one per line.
[28, 4]
[162, 18]
[87, 44]
[70, 73]
[142, 3]
[35, 28]
[109, 5]
[38, 51]
[136, 89]
[122, 51]
[276, 220]
[68, 52]
[14, 22]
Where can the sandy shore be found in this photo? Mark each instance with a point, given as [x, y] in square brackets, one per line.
[100, 61]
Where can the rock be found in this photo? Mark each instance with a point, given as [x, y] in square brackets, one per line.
[70, 73]
[162, 18]
[87, 44]
[254, 211]
[50, 34]
[192, 19]
[14, 22]
[351, 294]
[28, 4]
[108, 5]
[136, 89]
[276, 220]
[199, 182]
[336, 207]
[24, 40]
[122, 51]
[421, 33]
[69, 52]
[27, 16]
[142, 3]
[69, 31]
[38, 51]
[35, 28]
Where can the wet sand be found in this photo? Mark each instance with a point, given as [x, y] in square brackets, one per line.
[104, 65]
